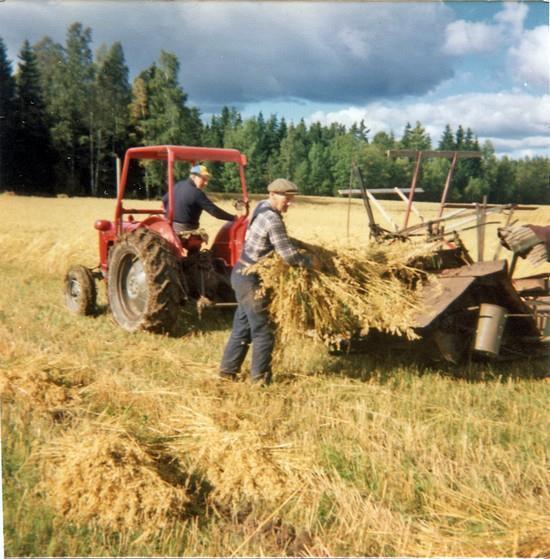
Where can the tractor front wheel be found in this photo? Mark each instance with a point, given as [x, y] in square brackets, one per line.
[144, 286]
[80, 291]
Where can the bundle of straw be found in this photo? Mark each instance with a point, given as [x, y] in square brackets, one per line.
[348, 291]
[242, 464]
[99, 473]
[39, 390]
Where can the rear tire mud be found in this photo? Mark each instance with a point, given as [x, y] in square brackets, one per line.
[144, 285]
[80, 291]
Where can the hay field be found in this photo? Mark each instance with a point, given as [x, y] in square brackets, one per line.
[118, 444]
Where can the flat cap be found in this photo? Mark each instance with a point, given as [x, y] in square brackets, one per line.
[282, 186]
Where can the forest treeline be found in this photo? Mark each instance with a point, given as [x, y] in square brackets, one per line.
[67, 113]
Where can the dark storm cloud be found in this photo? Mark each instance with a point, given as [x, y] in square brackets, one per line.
[236, 53]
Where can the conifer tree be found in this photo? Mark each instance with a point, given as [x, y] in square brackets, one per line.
[532, 180]
[418, 138]
[360, 131]
[405, 139]
[272, 136]
[343, 150]
[283, 129]
[50, 58]
[33, 151]
[249, 138]
[169, 120]
[459, 137]
[383, 140]
[467, 169]
[71, 109]
[472, 167]
[112, 109]
[447, 142]
[293, 152]
[7, 124]
[505, 187]
[315, 133]
[320, 179]
[165, 117]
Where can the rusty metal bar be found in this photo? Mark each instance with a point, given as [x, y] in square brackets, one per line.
[399, 192]
[513, 264]
[125, 211]
[448, 183]
[171, 200]
[481, 219]
[381, 210]
[483, 228]
[499, 245]
[503, 206]
[433, 153]
[413, 187]
[349, 200]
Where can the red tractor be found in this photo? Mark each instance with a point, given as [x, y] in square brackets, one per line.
[150, 271]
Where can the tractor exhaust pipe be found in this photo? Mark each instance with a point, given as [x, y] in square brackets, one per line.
[490, 327]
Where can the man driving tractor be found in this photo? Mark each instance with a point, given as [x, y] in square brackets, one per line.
[190, 201]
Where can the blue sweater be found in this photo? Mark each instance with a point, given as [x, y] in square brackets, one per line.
[189, 203]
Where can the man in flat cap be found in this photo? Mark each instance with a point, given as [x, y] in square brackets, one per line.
[251, 325]
[190, 201]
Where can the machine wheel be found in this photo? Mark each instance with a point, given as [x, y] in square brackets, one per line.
[144, 286]
[454, 336]
[80, 291]
[451, 347]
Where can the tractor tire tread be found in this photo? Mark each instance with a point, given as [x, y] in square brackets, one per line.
[164, 285]
[85, 304]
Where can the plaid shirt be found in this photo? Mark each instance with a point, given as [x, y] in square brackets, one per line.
[267, 232]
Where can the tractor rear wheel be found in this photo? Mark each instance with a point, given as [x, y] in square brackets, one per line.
[144, 286]
[80, 291]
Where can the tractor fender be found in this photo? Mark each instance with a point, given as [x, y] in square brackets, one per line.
[229, 241]
[162, 227]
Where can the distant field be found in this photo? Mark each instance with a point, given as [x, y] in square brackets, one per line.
[62, 228]
[120, 444]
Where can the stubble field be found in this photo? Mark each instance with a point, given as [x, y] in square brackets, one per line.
[127, 444]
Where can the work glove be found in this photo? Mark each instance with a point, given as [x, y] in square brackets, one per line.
[242, 208]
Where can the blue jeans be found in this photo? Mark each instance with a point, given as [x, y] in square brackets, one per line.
[251, 325]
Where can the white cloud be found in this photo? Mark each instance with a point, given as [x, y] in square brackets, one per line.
[463, 37]
[513, 121]
[525, 50]
[525, 147]
[512, 17]
[530, 60]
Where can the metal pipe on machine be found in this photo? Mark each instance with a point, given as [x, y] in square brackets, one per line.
[490, 327]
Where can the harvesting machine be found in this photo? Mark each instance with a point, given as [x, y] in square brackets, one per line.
[468, 307]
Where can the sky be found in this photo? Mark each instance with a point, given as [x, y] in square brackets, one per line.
[483, 65]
